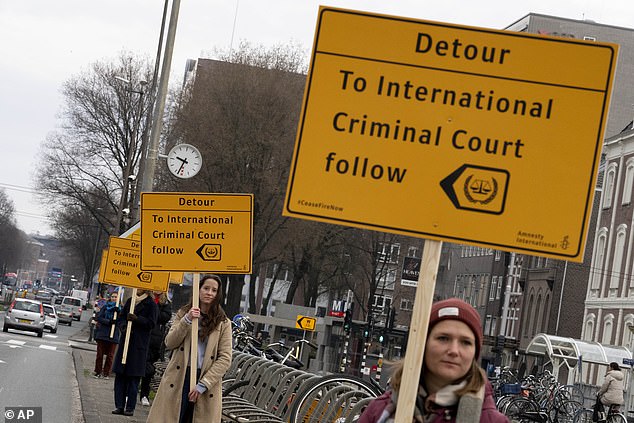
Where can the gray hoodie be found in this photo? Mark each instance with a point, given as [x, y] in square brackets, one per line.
[611, 391]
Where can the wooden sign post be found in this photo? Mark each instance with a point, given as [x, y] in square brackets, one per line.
[116, 314]
[193, 358]
[128, 329]
[418, 331]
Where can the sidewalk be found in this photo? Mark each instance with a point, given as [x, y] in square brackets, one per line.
[97, 395]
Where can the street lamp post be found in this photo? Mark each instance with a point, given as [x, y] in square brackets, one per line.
[127, 172]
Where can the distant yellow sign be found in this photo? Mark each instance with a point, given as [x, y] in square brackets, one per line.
[102, 266]
[451, 132]
[305, 322]
[122, 267]
[195, 232]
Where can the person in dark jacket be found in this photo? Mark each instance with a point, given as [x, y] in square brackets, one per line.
[156, 343]
[128, 375]
[107, 338]
[452, 387]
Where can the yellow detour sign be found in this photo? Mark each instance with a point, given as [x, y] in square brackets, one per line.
[195, 232]
[449, 132]
[305, 322]
[102, 266]
[122, 267]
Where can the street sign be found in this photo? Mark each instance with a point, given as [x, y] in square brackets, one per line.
[451, 132]
[305, 322]
[102, 266]
[122, 267]
[196, 232]
[628, 361]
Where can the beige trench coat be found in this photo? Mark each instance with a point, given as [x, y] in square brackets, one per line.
[217, 359]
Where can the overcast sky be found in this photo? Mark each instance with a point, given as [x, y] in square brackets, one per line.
[44, 43]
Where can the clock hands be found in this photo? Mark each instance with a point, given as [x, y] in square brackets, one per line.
[183, 163]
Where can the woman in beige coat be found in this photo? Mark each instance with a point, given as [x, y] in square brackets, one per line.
[174, 401]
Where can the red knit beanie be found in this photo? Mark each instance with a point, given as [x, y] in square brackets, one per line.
[456, 309]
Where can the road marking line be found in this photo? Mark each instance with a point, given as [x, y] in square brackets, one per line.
[16, 342]
[48, 347]
[15, 346]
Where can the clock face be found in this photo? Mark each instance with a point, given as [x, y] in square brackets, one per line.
[184, 160]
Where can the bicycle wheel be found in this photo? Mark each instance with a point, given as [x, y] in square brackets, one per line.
[517, 408]
[616, 418]
[569, 392]
[309, 395]
[583, 416]
[567, 410]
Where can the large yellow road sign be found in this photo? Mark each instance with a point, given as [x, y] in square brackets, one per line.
[122, 267]
[195, 232]
[453, 133]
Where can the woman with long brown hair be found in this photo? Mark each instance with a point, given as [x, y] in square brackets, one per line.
[452, 387]
[174, 401]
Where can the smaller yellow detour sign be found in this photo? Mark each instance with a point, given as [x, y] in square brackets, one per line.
[122, 267]
[305, 322]
[196, 232]
[451, 132]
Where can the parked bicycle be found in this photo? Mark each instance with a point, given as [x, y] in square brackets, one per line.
[614, 415]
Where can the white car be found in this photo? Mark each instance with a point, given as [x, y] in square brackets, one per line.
[24, 314]
[50, 318]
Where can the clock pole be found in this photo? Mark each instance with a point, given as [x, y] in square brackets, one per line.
[150, 156]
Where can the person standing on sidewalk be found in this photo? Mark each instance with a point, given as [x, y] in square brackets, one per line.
[106, 344]
[128, 375]
[156, 341]
[174, 401]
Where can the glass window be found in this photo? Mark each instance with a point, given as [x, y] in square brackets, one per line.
[619, 251]
[629, 182]
[608, 190]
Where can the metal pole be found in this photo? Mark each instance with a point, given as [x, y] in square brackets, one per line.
[157, 126]
[134, 212]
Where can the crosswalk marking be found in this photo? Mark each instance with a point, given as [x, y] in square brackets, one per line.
[48, 347]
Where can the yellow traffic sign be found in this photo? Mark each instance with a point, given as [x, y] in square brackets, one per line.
[196, 232]
[102, 266]
[122, 267]
[451, 132]
[305, 322]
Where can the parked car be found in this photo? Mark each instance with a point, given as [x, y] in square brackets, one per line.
[25, 314]
[65, 314]
[50, 318]
[75, 304]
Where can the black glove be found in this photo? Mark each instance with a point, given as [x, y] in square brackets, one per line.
[131, 317]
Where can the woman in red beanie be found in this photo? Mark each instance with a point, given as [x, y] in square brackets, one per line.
[452, 388]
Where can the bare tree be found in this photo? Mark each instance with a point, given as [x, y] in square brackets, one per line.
[12, 239]
[243, 119]
[83, 163]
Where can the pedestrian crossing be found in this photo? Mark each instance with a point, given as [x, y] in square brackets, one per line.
[35, 343]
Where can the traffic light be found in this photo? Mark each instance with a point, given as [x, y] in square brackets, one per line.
[366, 333]
[347, 321]
[382, 339]
[391, 316]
